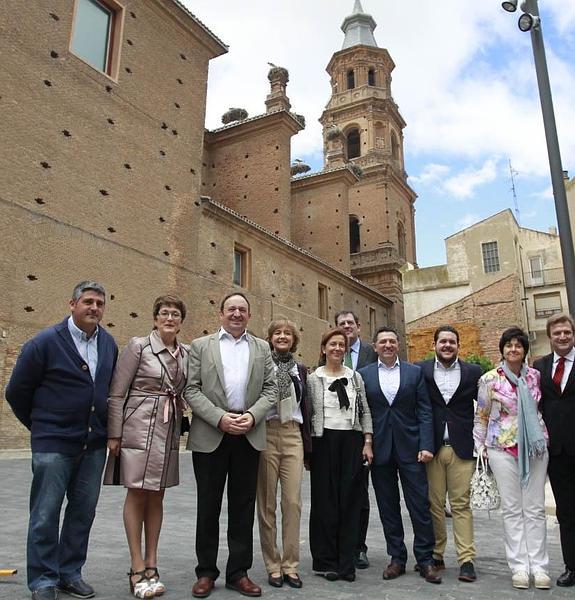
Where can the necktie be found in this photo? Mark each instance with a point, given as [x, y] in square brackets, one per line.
[347, 360]
[558, 375]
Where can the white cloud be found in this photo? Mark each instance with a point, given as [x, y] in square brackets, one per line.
[466, 221]
[545, 194]
[464, 80]
[431, 173]
[464, 184]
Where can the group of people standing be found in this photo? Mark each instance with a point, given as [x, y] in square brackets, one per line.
[259, 418]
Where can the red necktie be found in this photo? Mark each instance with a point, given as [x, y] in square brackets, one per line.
[558, 375]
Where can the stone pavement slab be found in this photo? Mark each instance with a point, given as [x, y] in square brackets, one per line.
[108, 559]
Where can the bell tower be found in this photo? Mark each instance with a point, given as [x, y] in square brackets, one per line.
[362, 126]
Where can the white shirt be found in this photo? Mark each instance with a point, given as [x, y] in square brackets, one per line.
[447, 380]
[389, 379]
[235, 359]
[87, 346]
[334, 416]
[354, 352]
[568, 366]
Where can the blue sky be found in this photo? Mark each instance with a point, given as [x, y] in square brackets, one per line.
[464, 82]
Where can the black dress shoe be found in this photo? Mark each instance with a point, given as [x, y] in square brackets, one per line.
[360, 560]
[77, 589]
[45, 593]
[467, 572]
[275, 581]
[566, 579]
[293, 580]
[331, 576]
[348, 577]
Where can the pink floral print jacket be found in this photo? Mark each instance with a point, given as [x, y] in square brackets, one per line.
[495, 423]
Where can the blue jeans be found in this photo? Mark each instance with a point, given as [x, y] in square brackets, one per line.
[55, 556]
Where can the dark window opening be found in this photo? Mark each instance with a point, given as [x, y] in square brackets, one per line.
[371, 77]
[354, 237]
[353, 144]
[350, 79]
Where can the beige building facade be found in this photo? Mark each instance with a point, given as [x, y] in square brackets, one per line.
[498, 274]
[108, 173]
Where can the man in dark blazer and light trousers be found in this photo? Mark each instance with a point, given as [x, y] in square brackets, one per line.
[557, 406]
[231, 387]
[360, 354]
[402, 443]
[452, 388]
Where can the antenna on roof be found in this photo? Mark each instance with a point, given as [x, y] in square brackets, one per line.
[512, 173]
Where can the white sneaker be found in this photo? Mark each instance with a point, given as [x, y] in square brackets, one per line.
[541, 580]
[520, 580]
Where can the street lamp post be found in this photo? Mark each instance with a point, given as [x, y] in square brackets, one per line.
[533, 25]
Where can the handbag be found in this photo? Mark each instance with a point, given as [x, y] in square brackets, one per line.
[484, 492]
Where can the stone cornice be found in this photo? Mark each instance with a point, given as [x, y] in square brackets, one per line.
[344, 174]
[355, 54]
[257, 124]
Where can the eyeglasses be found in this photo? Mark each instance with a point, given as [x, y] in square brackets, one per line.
[170, 313]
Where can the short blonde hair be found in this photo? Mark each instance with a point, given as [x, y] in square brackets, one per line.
[559, 318]
[283, 322]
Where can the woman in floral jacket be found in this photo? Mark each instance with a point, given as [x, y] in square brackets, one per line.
[509, 430]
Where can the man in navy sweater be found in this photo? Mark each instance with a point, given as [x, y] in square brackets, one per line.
[59, 391]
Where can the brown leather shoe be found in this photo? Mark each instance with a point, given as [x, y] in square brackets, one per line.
[203, 587]
[430, 573]
[393, 571]
[244, 586]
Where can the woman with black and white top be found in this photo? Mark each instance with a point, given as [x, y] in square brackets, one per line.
[341, 432]
[288, 443]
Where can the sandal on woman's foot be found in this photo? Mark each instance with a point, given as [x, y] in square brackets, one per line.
[154, 578]
[140, 587]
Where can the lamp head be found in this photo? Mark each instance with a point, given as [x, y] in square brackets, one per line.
[509, 5]
[527, 22]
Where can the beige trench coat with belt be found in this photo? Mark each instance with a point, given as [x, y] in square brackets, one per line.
[145, 411]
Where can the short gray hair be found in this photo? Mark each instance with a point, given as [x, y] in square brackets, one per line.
[84, 286]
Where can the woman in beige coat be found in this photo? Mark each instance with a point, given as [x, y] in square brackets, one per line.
[144, 421]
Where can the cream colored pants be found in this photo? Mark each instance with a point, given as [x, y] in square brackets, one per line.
[281, 461]
[451, 475]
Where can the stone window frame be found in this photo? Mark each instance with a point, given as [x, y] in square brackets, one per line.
[490, 257]
[322, 301]
[117, 12]
[241, 266]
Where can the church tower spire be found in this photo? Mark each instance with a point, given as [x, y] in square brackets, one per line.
[358, 28]
[362, 126]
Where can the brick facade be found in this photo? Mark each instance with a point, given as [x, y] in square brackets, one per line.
[480, 319]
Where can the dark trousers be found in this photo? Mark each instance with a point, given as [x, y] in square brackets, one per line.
[361, 546]
[561, 472]
[336, 474]
[415, 492]
[236, 460]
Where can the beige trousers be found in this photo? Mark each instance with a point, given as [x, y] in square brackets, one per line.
[281, 461]
[449, 474]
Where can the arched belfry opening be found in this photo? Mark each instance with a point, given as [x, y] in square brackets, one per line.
[354, 235]
[401, 240]
[353, 144]
[350, 79]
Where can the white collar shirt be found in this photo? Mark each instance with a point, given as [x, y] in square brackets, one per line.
[87, 346]
[235, 354]
[447, 379]
[569, 358]
[389, 379]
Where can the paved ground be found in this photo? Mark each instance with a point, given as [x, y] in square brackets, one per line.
[108, 558]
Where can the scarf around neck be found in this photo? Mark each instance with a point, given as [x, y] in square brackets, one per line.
[530, 438]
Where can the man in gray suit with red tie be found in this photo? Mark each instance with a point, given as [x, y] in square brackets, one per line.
[231, 387]
[558, 409]
[402, 444]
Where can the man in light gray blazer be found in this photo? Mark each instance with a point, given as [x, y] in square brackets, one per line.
[231, 387]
